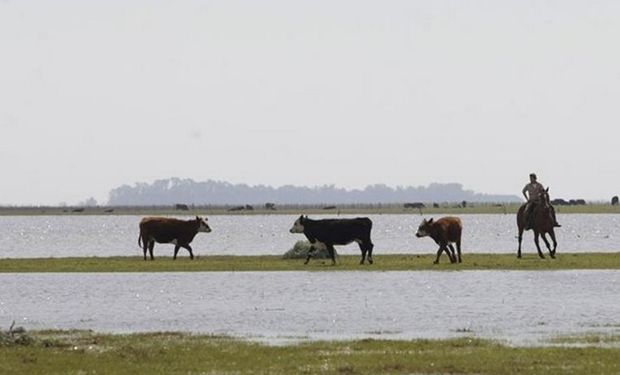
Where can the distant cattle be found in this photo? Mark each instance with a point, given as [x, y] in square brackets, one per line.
[577, 202]
[444, 231]
[559, 202]
[414, 205]
[329, 207]
[236, 208]
[329, 232]
[614, 200]
[169, 230]
[181, 206]
[270, 206]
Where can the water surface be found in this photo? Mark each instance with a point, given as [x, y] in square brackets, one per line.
[63, 236]
[517, 306]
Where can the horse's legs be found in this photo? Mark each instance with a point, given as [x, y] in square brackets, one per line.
[544, 237]
[551, 252]
[540, 254]
[520, 239]
[555, 243]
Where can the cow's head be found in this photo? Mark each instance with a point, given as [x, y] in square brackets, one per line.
[424, 228]
[298, 226]
[202, 225]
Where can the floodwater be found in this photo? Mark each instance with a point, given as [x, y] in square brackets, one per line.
[519, 307]
[63, 236]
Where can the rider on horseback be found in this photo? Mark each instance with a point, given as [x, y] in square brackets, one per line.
[535, 192]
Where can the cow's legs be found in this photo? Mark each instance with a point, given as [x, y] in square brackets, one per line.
[310, 252]
[453, 259]
[536, 235]
[151, 246]
[363, 254]
[176, 250]
[332, 253]
[370, 246]
[366, 248]
[458, 249]
[441, 249]
[189, 248]
[145, 246]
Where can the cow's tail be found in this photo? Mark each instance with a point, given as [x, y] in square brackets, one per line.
[140, 240]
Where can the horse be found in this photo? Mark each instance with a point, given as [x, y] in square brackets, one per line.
[542, 223]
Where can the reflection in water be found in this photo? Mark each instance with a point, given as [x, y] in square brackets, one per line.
[521, 307]
[62, 236]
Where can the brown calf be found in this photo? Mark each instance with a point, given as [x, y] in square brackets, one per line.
[169, 230]
[444, 231]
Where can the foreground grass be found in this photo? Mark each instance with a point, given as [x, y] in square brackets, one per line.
[345, 263]
[84, 352]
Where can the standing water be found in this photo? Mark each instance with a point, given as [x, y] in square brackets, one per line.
[64, 236]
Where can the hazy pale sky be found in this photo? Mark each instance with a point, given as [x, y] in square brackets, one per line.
[95, 94]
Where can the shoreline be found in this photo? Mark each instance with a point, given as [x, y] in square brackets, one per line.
[344, 209]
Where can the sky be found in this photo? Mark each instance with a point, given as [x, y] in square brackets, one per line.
[97, 94]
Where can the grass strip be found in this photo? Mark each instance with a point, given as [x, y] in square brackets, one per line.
[85, 352]
[396, 262]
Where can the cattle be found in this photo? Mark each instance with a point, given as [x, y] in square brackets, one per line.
[170, 230]
[559, 202]
[444, 231]
[414, 205]
[614, 200]
[329, 232]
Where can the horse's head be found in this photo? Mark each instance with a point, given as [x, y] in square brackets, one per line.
[545, 198]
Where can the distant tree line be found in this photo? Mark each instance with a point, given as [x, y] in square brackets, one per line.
[175, 190]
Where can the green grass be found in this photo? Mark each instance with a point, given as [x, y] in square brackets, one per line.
[344, 263]
[85, 352]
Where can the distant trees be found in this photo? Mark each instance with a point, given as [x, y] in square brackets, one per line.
[173, 190]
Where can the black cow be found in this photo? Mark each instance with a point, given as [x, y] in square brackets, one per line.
[329, 232]
[170, 230]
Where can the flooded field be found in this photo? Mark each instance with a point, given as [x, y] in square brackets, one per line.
[519, 307]
[64, 236]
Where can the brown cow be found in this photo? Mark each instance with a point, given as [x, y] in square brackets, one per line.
[444, 231]
[169, 230]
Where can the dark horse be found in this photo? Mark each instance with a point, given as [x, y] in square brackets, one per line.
[542, 220]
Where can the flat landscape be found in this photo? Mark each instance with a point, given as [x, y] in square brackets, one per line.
[360, 209]
[395, 262]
